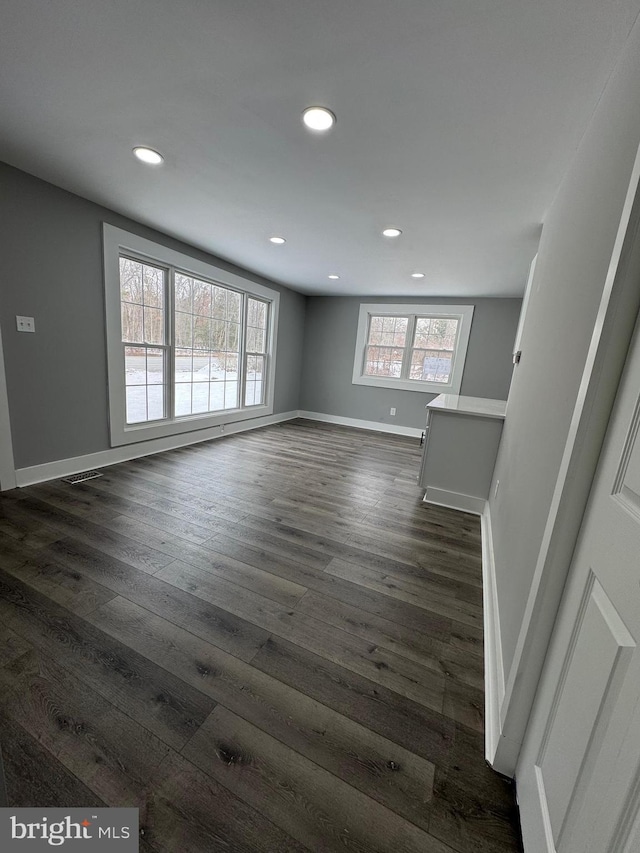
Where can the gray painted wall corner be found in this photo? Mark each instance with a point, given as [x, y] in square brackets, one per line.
[329, 348]
[572, 269]
[52, 270]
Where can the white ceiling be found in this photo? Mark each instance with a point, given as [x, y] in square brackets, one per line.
[456, 122]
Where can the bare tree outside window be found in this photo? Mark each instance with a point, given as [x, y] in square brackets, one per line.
[190, 346]
[411, 347]
[217, 348]
[142, 295]
[434, 344]
[207, 334]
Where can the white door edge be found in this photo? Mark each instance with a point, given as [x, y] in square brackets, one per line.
[603, 367]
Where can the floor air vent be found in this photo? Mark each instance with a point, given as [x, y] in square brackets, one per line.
[80, 478]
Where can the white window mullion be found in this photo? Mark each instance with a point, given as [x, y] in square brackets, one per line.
[363, 366]
[408, 348]
[456, 346]
[170, 366]
[242, 355]
[265, 356]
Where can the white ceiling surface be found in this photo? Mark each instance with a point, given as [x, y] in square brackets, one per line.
[456, 122]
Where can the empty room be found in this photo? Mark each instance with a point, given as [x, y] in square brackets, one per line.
[319, 408]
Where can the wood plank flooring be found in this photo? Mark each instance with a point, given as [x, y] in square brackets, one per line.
[265, 643]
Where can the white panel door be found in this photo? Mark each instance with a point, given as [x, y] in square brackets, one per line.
[578, 777]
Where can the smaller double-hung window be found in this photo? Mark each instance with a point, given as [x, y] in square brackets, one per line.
[412, 347]
[189, 345]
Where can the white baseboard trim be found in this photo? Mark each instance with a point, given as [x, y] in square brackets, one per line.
[454, 500]
[65, 467]
[413, 432]
[494, 688]
[76, 464]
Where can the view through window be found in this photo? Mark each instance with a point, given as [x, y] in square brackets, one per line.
[204, 353]
[417, 347]
[143, 297]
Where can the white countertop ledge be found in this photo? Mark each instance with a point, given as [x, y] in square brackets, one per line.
[479, 406]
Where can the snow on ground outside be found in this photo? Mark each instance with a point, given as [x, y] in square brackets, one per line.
[204, 389]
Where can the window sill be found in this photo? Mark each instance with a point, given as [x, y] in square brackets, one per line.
[406, 385]
[145, 432]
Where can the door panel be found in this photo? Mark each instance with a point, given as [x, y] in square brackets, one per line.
[578, 776]
[599, 651]
[627, 484]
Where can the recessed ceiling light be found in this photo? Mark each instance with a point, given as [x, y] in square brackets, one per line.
[417, 275]
[278, 240]
[318, 118]
[148, 155]
[333, 277]
[392, 232]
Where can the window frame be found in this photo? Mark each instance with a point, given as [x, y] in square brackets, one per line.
[118, 242]
[247, 354]
[462, 313]
[165, 346]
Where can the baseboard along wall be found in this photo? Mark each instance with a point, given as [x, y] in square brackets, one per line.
[454, 500]
[74, 465]
[376, 426]
[500, 752]
[65, 467]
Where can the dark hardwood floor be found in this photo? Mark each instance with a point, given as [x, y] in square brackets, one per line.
[265, 642]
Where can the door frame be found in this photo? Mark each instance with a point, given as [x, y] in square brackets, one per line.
[585, 588]
[610, 340]
[7, 464]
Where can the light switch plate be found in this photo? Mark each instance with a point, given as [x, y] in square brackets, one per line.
[26, 324]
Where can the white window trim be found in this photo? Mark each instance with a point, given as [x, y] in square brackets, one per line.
[117, 241]
[463, 313]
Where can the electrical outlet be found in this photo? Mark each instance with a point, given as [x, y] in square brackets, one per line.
[392, 412]
[495, 491]
[26, 324]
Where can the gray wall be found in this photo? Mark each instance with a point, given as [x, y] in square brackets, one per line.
[574, 253]
[52, 270]
[329, 348]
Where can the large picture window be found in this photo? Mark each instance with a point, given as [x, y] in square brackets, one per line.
[189, 345]
[207, 346]
[412, 347]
